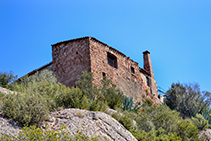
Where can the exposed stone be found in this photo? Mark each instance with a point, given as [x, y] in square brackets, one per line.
[205, 135]
[8, 127]
[5, 91]
[72, 57]
[90, 123]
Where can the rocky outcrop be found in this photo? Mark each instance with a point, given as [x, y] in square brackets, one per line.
[90, 123]
[5, 91]
[8, 127]
[205, 135]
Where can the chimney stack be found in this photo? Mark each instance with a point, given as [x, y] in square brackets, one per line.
[148, 63]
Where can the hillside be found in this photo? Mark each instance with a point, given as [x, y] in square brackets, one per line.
[39, 100]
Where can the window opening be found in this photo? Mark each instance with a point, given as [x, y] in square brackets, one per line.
[104, 75]
[148, 81]
[132, 70]
[112, 60]
[76, 52]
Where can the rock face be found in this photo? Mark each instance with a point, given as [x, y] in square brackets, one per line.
[8, 127]
[5, 91]
[205, 135]
[90, 123]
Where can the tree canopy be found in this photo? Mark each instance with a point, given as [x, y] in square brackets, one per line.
[187, 99]
[6, 78]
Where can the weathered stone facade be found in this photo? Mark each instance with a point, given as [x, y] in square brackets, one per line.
[72, 57]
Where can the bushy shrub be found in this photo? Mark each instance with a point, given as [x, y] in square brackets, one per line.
[73, 98]
[33, 133]
[26, 109]
[1, 97]
[155, 135]
[187, 99]
[187, 131]
[157, 116]
[206, 113]
[162, 123]
[126, 122]
[6, 78]
[110, 94]
[86, 85]
[147, 102]
[200, 122]
[101, 95]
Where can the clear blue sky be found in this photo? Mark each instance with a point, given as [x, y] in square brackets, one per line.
[176, 32]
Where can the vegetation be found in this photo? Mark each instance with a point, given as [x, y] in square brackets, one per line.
[7, 78]
[187, 99]
[128, 105]
[188, 112]
[32, 133]
[40, 93]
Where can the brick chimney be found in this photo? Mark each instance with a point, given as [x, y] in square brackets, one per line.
[148, 63]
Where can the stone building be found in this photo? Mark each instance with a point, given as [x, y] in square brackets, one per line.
[72, 57]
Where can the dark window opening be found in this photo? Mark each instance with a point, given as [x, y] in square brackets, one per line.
[112, 60]
[148, 81]
[132, 70]
[76, 52]
[104, 75]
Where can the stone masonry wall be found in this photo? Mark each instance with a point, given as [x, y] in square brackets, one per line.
[130, 83]
[70, 58]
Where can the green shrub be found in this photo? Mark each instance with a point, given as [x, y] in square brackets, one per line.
[128, 103]
[200, 122]
[26, 109]
[126, 122]
[104, 93]
[187, 99]
[6, 78]
[186, 130]
[73, 98]
[110, 95]
[147, 102]
[33, 133]
[206, 113]
[98, 105]
[157, 116]
[86, 85]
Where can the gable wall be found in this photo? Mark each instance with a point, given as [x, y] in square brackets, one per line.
[70, 59]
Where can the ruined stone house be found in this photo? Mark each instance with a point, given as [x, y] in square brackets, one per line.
[72, 57]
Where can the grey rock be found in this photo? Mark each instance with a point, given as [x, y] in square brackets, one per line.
[90, 123]
[205, 135]
[8, 127]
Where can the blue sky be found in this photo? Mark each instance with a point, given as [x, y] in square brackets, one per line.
[176, 32]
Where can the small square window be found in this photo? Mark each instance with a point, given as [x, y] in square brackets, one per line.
[112, 60]
[132, 70]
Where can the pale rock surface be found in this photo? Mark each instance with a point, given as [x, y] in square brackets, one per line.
[205, 135]
[8, 127]
[5, 91]
[90, 123]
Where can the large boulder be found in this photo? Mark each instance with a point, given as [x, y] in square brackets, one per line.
[205, 135]
[8, 127]
[5, 91]
[90, 123]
